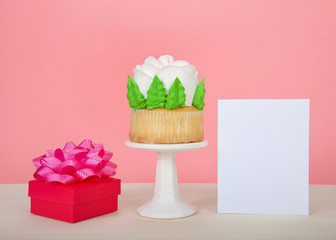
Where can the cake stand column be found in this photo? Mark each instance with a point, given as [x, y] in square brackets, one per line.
[166, 187]
[166, 203]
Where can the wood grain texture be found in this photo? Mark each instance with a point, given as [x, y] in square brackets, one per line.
[17, 223]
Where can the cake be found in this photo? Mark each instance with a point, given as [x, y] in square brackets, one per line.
[167, 102]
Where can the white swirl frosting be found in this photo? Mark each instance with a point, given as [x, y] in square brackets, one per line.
[167, 69]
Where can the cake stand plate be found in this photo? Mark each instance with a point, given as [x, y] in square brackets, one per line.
[166, 203]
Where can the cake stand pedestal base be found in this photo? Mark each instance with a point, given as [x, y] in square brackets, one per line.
[166, 203]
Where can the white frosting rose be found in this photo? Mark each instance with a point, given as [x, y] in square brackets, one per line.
[167, 69]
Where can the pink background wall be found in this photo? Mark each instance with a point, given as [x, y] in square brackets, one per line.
[64, 67]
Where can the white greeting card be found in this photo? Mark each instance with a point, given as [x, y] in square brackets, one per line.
[263, 152]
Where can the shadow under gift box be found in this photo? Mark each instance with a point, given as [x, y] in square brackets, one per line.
[74, 202]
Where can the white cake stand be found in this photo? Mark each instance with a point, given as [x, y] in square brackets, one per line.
[166, 203]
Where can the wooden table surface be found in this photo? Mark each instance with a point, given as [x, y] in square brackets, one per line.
[17, 223]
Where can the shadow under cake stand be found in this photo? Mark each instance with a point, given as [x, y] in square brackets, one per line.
[166, 203]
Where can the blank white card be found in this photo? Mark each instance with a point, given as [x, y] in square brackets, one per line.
[263, 152]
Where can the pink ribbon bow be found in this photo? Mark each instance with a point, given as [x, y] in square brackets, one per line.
[87, 161]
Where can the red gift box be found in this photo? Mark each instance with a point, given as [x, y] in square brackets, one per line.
[74, 202]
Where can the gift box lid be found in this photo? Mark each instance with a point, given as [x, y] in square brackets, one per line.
[76, 193]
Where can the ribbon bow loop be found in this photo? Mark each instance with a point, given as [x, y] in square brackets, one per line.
[87, 161]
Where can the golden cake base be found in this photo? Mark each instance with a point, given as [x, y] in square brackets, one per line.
[166, 126]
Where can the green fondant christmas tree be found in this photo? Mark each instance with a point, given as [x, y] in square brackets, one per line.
[176, 96]
[198, 100]
[134, 96]
[156, 96]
